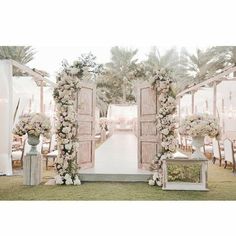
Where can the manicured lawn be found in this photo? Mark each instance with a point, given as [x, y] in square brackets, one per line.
[222, 185]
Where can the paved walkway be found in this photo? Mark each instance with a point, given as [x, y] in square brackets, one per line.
[117, 155]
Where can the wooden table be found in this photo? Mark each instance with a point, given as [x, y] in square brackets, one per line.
[201, 186]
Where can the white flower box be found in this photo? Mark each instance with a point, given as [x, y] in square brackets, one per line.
[200, 185]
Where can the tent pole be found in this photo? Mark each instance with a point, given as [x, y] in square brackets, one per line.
[41, 97]
[214, 98]
[179, 104]
[192, 93]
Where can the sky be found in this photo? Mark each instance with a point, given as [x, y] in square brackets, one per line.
[49, 58]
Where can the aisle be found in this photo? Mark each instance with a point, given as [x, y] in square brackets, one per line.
[117, 155]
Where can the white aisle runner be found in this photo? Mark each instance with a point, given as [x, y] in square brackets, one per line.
[117, 155]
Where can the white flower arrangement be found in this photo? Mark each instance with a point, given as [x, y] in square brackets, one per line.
[65, 93]
[199, 125]
[35, 124]
[166, 123]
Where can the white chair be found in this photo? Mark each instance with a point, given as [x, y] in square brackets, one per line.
[229, 153]
[187, 143]
[52, 147]
[217, 153]
[180, 141]
[18, 155]
[207, 148]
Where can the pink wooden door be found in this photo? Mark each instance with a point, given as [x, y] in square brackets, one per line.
[86, 122]
[148, 137]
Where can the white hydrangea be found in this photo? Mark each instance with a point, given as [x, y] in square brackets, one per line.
[59, 179]
[77, 181]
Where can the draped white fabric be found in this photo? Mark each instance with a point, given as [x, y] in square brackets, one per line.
[116, 112]
[122, 116]
[6, 117]
[225, 105]
[27, 94]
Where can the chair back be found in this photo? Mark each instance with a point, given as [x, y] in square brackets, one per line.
[207, 140]
[52, 143]
[184, 141]
[179, 139]
[216, 148]
[228, 148]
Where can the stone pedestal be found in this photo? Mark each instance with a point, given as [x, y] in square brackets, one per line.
[32, 169]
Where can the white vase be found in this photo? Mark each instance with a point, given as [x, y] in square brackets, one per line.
[198, 142]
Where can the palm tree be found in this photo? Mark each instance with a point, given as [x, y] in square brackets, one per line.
[156, 60]
[21, 54]
[171, 60]
[202, 63]
[226, 55]
[122, 68]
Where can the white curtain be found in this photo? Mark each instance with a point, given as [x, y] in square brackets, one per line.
[116, 111]
[121, 116]
[6, 118]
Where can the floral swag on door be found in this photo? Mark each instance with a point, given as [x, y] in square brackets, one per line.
[166, 123]
[65, 96]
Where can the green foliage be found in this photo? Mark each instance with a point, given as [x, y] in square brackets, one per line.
[21, 54]
[222, 186]
[184, 173]
[120, 74]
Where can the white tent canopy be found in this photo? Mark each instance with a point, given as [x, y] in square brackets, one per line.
[204, 103]
[5, 117]
[28, 94]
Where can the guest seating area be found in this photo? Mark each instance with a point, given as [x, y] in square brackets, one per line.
[223, 151]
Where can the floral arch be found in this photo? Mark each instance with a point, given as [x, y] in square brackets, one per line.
[66, 94]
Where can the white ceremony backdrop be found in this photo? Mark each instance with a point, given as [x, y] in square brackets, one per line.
[6, 117]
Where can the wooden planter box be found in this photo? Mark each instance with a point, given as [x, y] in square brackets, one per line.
[200, 185]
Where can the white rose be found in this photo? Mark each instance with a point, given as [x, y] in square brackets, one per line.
[68, 146]
[69, 181]
[67, 176]
[151, 182]
[155, 176]
[77, 181]
[59, 179]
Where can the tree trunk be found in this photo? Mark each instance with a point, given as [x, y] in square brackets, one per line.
[124, 92]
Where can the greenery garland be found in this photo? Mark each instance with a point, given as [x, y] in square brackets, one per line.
[165, 121]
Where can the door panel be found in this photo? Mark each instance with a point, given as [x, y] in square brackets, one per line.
[148, 137]
[86, 125]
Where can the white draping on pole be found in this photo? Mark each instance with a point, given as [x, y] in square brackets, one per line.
[6, 118]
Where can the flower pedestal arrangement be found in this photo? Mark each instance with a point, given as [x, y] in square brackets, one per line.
[32, 164]
[33, 141]
[199, 126]
[198, 142]
[33, 125]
